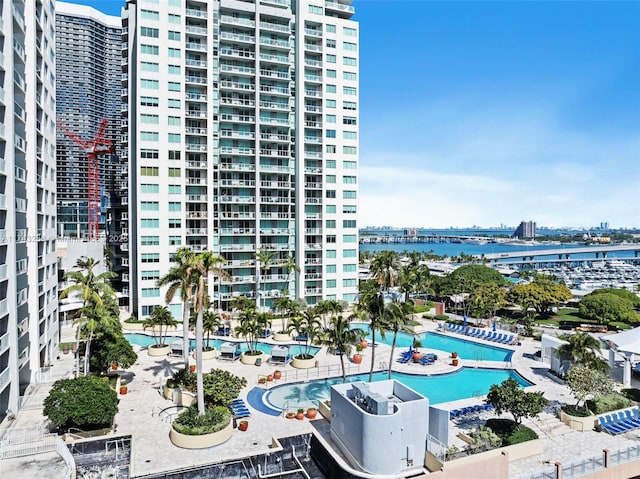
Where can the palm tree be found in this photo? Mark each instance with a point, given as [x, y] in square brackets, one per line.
[94, 289]
[307, 327]
[264, 260]
[385, 267]
[371, 305]
[340, 337]
[159, 318]
[397, 317]
[204, 264]
[287, 307]
[289, 264]
[583, 349]
[180, 278]
[252, 327]
[211, 322]
[328, 307]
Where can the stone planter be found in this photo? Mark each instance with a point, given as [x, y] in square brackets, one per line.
[202, 441]
[251, 360]
[282, 337]
[209, 354]
[303, 363]
[179, 396]
[161, 351]
[578, 423]
[325, 409]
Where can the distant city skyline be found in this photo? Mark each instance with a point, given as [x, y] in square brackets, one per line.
[472, 111]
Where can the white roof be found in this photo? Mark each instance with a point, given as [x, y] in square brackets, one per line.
[628, 341]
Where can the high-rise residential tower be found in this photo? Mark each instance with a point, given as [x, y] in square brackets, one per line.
[526, 229]
[243, 138]
[88, 89]
[28, 272]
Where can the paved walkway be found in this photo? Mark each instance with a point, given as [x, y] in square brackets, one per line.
[153, 452]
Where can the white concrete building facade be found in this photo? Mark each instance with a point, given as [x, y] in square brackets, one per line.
[28, 274]
[241, 120]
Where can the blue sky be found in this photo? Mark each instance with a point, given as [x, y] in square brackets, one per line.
[495, 112]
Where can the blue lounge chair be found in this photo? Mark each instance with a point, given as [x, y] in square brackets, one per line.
[499, 338]
[482, 335]
[609, 427]
[487, 407]
[508, 339]
[491, 336]
[431, 356]
[627, 418]
[239, 413]
[425, 361]
[454, 413]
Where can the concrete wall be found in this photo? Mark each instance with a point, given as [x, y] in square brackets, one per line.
[439, 424]
[380, 444]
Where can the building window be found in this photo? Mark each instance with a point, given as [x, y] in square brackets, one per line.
[175, 240]
[150, 240]
[348, 238]
[331, 43]
[331, 268]
[350, 253]
[330, 209]
[330, 149]
[331, 164]
[174, 121]
[349, 165]
[150, 84]
[150, 49]
[149, 32]
[149, 188]
[149, 154]
[175, 223]
[348, 223]
[330, 103]
[173, 86]
[348, 180]
[331, 253]
[349, 61]
[316, 10]
[174, 18]
[331, 74]
[150, 292]
[330, 118]
[349, 120]
[175, 172]
[349, 150]
[349, 76]
[349, 268]
[173, 103]
[349, 283]
[174, 53]
[349, 209]
[330, 224]
[330, 28]
[348, 90]
[150, 257]
[149, 171]
[332, 89]
[330, 283]
[331, 193]
[175, 206]
[150, 275]
[349, 135]
[151, 119]
[349, 46]
[175, 189]
[149, 136]
[149, 15]
[174, 155]
[349, 195]
[149, 206]
[331, 133]
[331, 179]
[174, 35]
[349, 32]
[174, 137]
[150, 223]
[349, 105]
[149, 67]
[330, 58]
[174, 70]
[149, 101]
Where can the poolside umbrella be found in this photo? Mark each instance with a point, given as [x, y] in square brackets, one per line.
[494, 325]
[464, 321]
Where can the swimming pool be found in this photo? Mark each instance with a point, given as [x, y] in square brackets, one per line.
[465, 349]
[145, 340]
[461, 384]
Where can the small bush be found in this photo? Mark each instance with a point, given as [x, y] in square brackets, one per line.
[441, 317]
[521, 434]
[183, 379]
[133, 320]
[427, 316]
[632, 393]
[191, 423]
[572, 410]
[510, 432]
[610, 402]
[422, 308]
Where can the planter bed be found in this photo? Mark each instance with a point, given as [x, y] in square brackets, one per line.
[201, 441]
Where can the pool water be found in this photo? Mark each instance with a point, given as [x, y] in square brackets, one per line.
[465, 349]
[144, 340]
[462, 384]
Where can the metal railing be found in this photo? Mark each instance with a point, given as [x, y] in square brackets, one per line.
[622, 456]
[330, 370]
[65, 453]
[437, 448]
[583, 467]
[26, 441]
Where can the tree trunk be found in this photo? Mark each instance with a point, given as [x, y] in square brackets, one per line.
[373, 351]
[393, 348]
[344, 374]
[86, 355]
[200, 383]
[185, 333]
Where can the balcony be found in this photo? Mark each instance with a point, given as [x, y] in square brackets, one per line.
[200, 47]
[236, 102]
[197, 198]
[195, 131]
[313, 48]
[237, 150]
[196, 231]
[234, 53]
[192, 12]
[275, 137]
[331, 5]
[275, 43]
[237, 85]
[4, 342]
[247, 22]
[238, 247]
[237, 69]
[246, 135]
[278, 90]
[275, 27]
[190, 62]
[238, 199]
[238, 118]
[275, 106]
[196, 214]
[238, 37]
[237, 167]
[195, 114]
[267, 57]
[312, 32]
[195, 79]
[196, 30]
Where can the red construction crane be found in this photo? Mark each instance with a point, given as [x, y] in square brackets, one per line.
[98, 146]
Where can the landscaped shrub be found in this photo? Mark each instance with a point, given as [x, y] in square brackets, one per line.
[85, 402]
[510, 432]
[632, 393]
[423, 308]
[220, 386]
[610, 402]
[441, 317]
[191, 423]
[573, 410]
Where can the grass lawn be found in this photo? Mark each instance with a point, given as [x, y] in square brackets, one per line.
[573, 316]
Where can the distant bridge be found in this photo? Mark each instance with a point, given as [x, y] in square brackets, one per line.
[399, 239]
[563, 253]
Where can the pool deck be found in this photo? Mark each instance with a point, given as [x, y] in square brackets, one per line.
[153, 452]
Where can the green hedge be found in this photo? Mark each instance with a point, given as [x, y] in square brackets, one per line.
[610, 402]
[510, 432]
[191, 423]
[442, 317]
